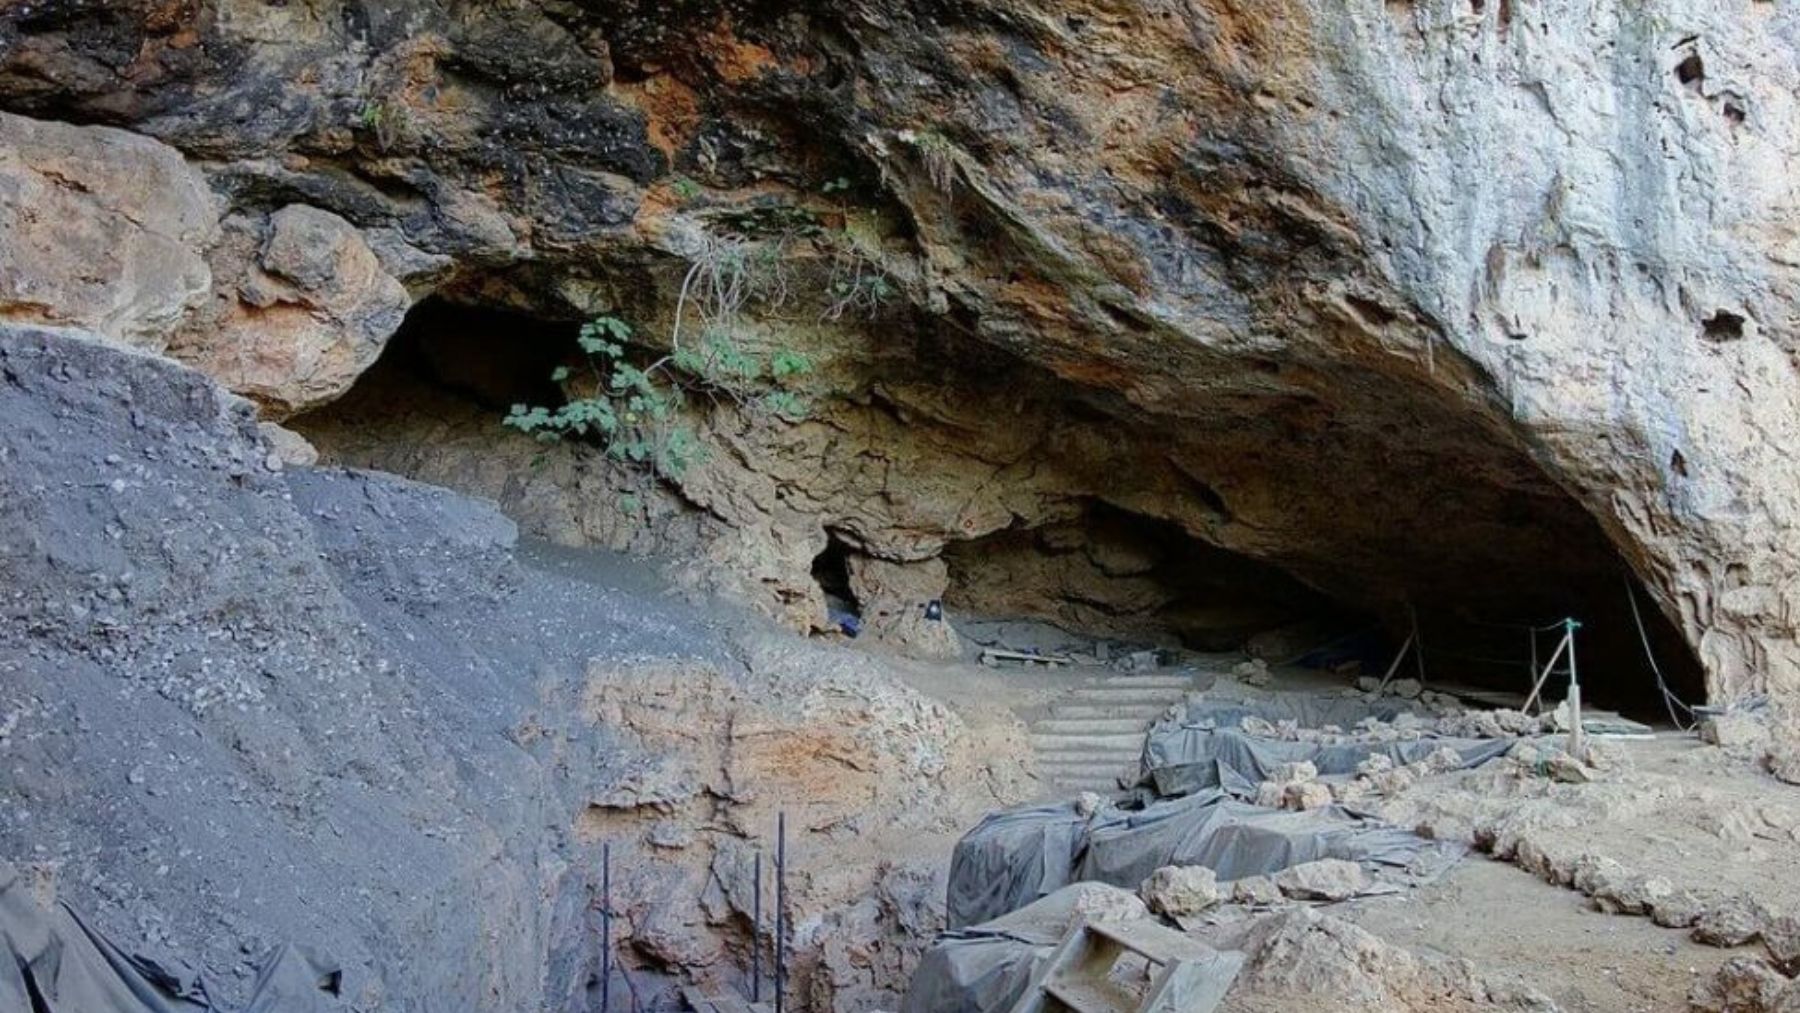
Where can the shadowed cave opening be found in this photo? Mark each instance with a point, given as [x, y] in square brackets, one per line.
[1114, 574]
[1104, 571]
[1111, 572]
[831, 571]
[491, 357]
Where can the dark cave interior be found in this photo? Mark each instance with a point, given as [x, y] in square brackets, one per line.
[1110, 572]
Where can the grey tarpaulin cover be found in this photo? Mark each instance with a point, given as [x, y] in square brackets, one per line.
[1236, 839]
[1305, 709]
[1207, 749]
[1179, 759]
[57, 963]
[974, 970]
[985, 968]
[1015, 856]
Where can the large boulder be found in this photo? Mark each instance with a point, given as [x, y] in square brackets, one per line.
[100, 229]
[301, 306]
[1180, 890]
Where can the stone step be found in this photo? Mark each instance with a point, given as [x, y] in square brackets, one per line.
[1101, 693]
[1145, 712]
[1133, 743]
[1076, 787]
[1086, 761]
[1083, 772]
[1089, 726]
[1085, 775]
[1116, 757]
[1148, 681]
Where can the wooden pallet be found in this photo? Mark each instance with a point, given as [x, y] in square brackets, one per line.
[993, 656]
[1186, 975]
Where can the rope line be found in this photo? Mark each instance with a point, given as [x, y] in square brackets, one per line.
[1670, 700]
[1496, 624]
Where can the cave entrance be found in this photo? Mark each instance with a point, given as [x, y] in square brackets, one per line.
[1629, 657]
[1123, 577]
[494, 358]
[831, 571]
[1345, 528]
[1110, 575]
[432, 407]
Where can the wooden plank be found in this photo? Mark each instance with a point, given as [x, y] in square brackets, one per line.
[1194, 986]
[1036, 997]
[1147, 937]
[1093, 995]
[994, 654]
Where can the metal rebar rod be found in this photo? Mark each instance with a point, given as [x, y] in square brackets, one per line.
[780, 910]
[606, 927]
[756, 932]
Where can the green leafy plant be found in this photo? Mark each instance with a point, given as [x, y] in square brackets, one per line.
[386, 122]
[685, 189]
[856, 282]
[630, 411]
[634, 412]
[938, 156]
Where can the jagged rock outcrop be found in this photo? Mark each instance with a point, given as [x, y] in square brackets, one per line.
[1441, 302]
[301, 307]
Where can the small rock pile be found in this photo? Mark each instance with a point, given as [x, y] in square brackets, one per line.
[1297, 786]
[1185, 891]
[1746, 985]
[1294, 786]
[1403, 727]
[1715, 919]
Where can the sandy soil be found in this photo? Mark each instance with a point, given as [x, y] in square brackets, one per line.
[1518, 929]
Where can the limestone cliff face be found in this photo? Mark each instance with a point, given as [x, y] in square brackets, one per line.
[1417, 301]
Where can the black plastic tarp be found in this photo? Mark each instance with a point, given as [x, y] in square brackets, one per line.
[974, 970]
[1015, 856]
[1236, 839]
[1180, 759]
[1207, 746]
[57, 963]
[985, 968]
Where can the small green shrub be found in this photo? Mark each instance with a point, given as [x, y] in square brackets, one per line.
[633, 412]
[387, 122]
[938, 155]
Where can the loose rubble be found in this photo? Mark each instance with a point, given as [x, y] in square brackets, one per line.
[1181, 890]
[1329, 879]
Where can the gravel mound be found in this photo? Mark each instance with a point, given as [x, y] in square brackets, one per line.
[242, 705]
